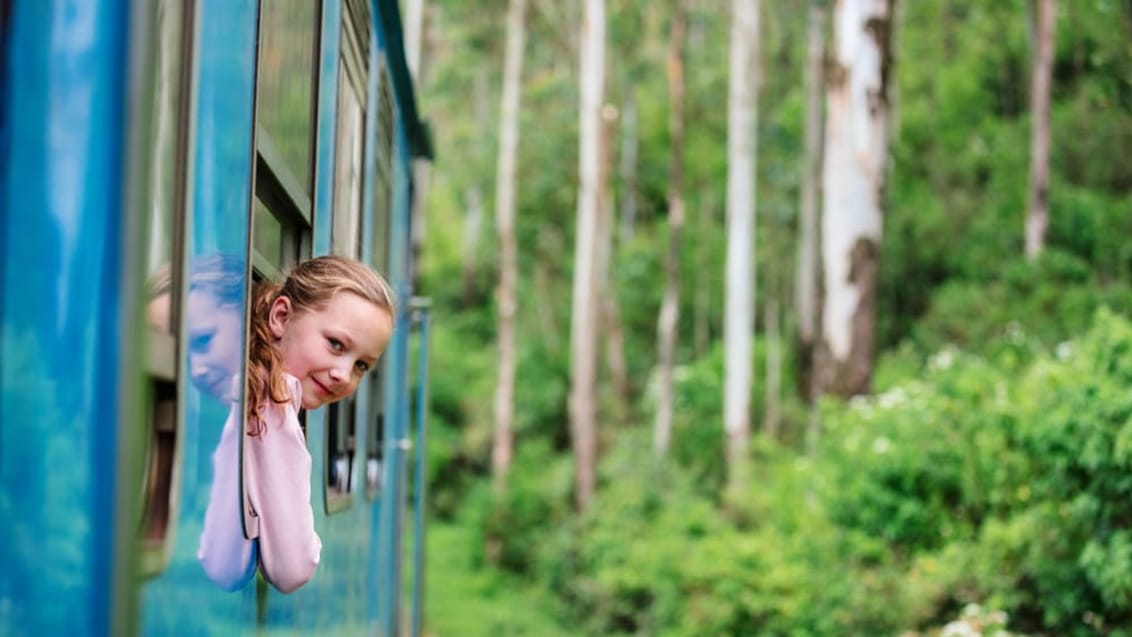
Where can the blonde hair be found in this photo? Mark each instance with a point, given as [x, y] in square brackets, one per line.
[310, 286]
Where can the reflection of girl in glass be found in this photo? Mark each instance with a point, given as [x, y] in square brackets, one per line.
[312, 339]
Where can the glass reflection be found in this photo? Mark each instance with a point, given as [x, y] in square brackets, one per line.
[214, 309]
[286, 63]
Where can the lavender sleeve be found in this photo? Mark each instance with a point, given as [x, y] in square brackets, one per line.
[228, 558]
[279, 490]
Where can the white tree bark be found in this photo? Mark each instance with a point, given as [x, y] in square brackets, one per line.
[414, 35]
[583, 326]
[855, 166]
[505, 205]
[1037, 210]
[740, 269]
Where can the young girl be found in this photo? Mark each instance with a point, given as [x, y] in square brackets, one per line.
[313, 338]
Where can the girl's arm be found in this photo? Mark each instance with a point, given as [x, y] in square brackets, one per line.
[279, 488]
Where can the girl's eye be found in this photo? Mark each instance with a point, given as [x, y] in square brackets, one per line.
[335, 344]
[200, 342]
[361, 366]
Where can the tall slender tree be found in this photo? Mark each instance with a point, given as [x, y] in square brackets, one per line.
[1037, 210]
[855, 166]
[669, 316]
[739, 312]
[583, 322]
[806, 296]
[505, 205]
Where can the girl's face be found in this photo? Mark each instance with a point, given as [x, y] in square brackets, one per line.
[330, 349]
[216, 331]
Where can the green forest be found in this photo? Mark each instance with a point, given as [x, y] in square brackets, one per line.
[981, 484]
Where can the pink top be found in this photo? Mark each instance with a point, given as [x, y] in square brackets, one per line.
[277, 475]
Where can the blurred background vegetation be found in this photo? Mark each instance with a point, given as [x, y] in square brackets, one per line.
[988, 478]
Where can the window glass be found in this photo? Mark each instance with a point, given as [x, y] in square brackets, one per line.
[375, 432]
[167, 135]
[345, 237]
[383, 179]
[268, 236]
[288, 32]
[340, 447]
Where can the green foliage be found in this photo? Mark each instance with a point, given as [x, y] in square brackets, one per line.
[982, 487]
[1027, 307]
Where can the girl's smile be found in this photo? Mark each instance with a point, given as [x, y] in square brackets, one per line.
[331, 348]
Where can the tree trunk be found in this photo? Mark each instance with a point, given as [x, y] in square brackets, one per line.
[806, 286]
[505, 205]
[669, 317]
[740, 275]
[855, 166]
[583, 327]
[1037, 210]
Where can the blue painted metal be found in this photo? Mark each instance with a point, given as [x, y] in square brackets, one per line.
[62, 175]
[370, 412]
[330, 41]
[421, 475]
[396, 433]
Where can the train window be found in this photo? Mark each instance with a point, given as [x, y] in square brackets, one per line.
[285, 81]
[382, 206]
[285, 105]
[268, 240]
[345, 235]
[286, 74]
[168, 135]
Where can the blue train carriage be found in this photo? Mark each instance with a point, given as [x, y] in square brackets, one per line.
[156, 158]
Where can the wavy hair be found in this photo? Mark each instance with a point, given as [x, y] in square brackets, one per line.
[310, 285]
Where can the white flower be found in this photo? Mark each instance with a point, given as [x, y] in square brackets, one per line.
[881, 445]
[1063, 350]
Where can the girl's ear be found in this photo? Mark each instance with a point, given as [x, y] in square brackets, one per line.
[278, 316]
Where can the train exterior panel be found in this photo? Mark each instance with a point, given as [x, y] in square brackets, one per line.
[157, 159]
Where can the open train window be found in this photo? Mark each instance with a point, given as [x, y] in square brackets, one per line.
[286, 76]
[379, 259]
[167, 151]
[345, 235]
[285, 105]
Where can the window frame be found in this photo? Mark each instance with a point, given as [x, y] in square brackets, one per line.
[379, 228]
[284, 197]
